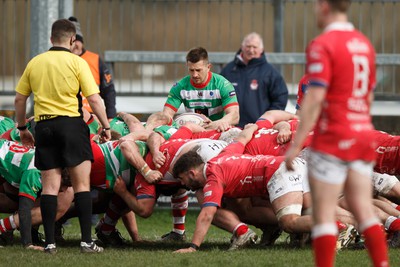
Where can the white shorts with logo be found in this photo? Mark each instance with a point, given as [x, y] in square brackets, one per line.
[284, 181]
[330, 169]
[383, 183]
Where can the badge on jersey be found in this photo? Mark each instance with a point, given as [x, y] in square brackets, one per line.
[254, 85]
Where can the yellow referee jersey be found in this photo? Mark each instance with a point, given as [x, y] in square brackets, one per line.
[56, 78]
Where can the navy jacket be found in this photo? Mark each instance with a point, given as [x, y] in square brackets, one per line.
[259, 87]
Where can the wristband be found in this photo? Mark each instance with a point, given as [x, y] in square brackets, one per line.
[22, 128]
[144, 167]
[147, 173]
[196, 247]
[106, 129]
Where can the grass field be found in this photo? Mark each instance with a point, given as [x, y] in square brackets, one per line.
[151, 253]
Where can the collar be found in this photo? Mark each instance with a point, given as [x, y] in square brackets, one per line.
[59, 48]
[339, 26]
[202, 85]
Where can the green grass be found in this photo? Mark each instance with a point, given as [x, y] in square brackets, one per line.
[152, 253]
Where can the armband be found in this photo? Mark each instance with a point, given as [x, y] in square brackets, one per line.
[22, 128]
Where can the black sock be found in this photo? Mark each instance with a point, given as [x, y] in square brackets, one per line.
[48, 207]
[83, 205]
[25, 219]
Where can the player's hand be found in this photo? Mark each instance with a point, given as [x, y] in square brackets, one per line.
[220, 126]
[33, 247]
[105, 135]
[284, 136]
[185, 250]
[27, 139]
[153, 176]
[291, 154]
[120, 186]
[128, 137]
[158, 159]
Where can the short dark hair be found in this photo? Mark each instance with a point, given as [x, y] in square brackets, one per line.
[196, 54]
[187, 161]
[340, 5]
[62, 29]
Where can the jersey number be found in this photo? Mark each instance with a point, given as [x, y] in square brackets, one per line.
[361, 75]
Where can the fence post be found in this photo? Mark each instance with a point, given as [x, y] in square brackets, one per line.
[278, 28]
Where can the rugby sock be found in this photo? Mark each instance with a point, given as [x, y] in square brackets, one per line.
[375, 242]
[240, 229]
[324, 243]
[392, 224]
[83, 205]
[111, 216]
[341, 226]
[7, 224]
[179, 205]
[48, 208]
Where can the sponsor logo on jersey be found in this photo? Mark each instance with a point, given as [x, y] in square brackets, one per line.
[357, 46]
[232, 93]
[207, 194]
[315, 68]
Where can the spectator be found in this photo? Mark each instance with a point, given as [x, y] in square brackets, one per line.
[205, 93]
[56, 78]
[341, 72]
[100, 72]
[259, 86]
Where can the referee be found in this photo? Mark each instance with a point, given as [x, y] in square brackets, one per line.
[56, 78]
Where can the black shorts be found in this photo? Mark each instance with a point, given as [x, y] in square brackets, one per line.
[62, 142]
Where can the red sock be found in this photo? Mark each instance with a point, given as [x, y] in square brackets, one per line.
[324, 250]
[375, 242]
[241, 229]
[179, 206]
[112, 215]
[341, 226]
[394, 226]
[7, 224]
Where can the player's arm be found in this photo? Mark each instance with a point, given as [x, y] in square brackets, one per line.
[275, 116]
[247, 134]
[230, 118]
[20, 113]
[129, 220]
[203, 223]
[284, 132]
[133, 123]
[310, 111]
[154, 142]
[98, 108]
[169, 112]
[131, 153]
[142, 207]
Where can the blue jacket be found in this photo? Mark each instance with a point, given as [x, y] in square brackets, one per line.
[259, 87]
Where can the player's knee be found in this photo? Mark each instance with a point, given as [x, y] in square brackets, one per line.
[287, 217]
[145, 213]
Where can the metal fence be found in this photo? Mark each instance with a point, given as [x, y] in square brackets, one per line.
[176, 25]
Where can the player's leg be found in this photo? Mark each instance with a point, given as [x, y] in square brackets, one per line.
[179, 206]
[326, 177]
[358, 191]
